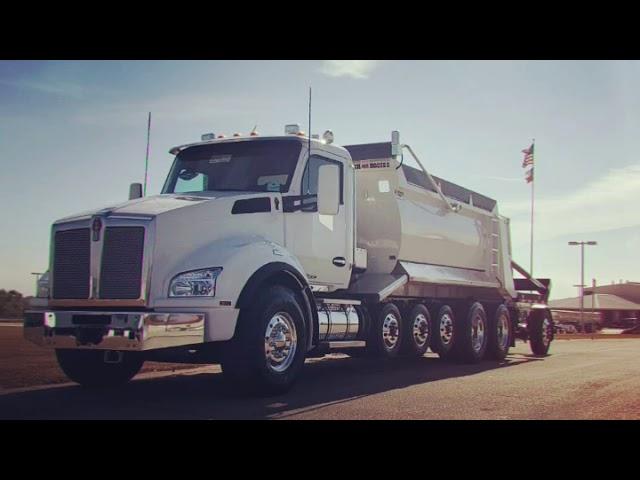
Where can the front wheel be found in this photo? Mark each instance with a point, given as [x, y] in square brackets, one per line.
[268, 350]
[99, 368]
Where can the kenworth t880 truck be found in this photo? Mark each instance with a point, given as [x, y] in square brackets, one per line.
[264, 250]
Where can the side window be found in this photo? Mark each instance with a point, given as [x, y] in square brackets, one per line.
[309, 189]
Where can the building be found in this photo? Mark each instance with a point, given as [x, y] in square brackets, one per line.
[614, 306]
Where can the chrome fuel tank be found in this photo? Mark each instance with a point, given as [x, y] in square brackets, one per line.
[338, 322]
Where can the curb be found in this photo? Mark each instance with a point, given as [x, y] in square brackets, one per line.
[595, 336]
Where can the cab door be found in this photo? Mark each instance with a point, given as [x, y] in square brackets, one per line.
[322, 243]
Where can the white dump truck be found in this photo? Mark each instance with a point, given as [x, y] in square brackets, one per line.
[263, 251]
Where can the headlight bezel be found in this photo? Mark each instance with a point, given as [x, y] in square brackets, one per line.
[194, 286]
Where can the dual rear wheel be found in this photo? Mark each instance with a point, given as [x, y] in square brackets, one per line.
[395, 333]
[465, 334]
[470, 335]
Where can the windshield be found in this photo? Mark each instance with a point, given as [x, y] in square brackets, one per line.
[248, 166]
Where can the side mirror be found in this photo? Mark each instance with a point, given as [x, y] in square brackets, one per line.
[328, 189]
[135, 191]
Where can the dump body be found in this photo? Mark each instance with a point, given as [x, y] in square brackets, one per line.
[405, 226]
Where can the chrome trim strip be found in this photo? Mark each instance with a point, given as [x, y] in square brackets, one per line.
[348, 344]
[96, 302]
[125, 330]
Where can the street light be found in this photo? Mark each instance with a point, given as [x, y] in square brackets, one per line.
[582, 244]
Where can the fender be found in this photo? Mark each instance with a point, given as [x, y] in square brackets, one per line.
[293, 278]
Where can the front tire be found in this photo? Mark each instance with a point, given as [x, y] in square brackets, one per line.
[89, 369]
[269, 348]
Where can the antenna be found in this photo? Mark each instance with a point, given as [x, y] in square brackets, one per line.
[309, 133]
[146, 160]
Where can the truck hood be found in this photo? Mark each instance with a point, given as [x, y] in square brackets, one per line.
[155, 205]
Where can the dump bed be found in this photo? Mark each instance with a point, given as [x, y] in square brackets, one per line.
[407, 229]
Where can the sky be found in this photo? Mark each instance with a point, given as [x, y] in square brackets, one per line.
[73, 137]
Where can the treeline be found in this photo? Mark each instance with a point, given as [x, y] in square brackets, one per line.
[12, 304]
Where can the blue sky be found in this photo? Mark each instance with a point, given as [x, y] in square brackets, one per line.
[73, 134]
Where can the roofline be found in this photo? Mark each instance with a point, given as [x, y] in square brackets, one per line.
[302, 139]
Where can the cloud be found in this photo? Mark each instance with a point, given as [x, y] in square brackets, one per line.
[604, 204]
[63, 89]
[349, 68]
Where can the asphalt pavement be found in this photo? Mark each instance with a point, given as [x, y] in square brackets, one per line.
[580, 379]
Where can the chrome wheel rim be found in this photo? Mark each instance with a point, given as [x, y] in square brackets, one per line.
[420, 330]
[503, 331]
[280, 342]
[390, 331]
[546, 335]
[477, 332]
[446, 329]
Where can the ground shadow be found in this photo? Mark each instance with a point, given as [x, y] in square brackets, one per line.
[330, 380]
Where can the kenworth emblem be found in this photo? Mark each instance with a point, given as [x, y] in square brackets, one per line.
[96, 226]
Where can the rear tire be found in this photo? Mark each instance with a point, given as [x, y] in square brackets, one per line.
[471, 344]
[385, 333]
[540, 329]
[88, 368]
[269, 347]
[500, 334]
[444, 335]
[417, 331]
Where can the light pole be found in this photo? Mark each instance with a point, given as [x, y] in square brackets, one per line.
[582, 244]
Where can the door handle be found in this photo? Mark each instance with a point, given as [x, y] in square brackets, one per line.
[339, 261]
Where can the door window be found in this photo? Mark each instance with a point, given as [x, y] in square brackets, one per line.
[309, 189]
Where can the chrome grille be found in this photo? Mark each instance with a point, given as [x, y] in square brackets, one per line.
[71, 254]
[121, 273]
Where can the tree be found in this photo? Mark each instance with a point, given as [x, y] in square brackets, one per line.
[12, 304]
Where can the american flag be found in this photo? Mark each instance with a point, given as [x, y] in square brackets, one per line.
[529, 175]
[528, 156]
[527, 161]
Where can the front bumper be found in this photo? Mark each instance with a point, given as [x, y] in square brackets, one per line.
[114, 330]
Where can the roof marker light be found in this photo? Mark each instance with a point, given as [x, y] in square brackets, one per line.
[208, 136]
[328, 137]
[236, 134]
[292, 129]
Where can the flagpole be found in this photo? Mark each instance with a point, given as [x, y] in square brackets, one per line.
[533, 181]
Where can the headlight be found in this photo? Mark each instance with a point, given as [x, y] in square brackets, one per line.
[197, 283]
